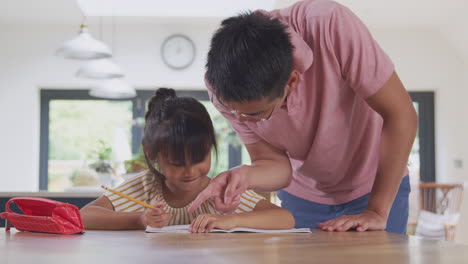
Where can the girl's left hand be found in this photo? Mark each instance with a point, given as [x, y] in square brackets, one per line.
[206, 222]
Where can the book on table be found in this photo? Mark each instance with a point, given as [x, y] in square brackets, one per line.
[184, 229]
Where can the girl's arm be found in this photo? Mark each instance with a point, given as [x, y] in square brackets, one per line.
[100, 214]
[264, 216]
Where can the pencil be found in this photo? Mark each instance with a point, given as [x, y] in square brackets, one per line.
[128, 197]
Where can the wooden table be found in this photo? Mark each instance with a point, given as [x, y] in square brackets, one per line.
[137, 247]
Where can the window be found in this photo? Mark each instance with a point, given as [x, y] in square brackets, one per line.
[422, 158]
[421, 162]
[76, 127]
[73, 124]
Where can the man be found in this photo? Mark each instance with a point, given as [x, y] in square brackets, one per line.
[321, 112]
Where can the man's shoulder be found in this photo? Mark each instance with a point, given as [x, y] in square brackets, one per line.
[307, 9]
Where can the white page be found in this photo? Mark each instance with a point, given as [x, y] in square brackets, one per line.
[183, 229]
[180, 229]
[270, 231]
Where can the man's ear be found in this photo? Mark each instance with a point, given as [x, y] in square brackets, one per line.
[293, 81]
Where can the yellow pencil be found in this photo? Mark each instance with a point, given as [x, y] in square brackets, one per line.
[128, 197]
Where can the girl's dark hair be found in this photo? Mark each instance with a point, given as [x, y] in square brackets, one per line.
[179, 128]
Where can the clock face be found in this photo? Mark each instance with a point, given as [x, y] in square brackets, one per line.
[178, 52]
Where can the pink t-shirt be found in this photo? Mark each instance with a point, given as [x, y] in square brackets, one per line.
[329, 132]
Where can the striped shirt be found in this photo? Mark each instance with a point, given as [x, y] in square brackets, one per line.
[148, 188]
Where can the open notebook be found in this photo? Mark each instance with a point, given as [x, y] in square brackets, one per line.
[183, 229]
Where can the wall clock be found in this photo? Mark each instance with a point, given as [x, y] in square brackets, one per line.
[178, 51]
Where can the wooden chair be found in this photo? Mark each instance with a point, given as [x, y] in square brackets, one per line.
[440, 199]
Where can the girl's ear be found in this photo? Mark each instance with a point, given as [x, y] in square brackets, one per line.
[149, 158]
[155, 162]
[147, 154]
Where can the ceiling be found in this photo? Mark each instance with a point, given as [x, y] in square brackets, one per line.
[383, 13]
[446, 16]
[174, 8]
[72, 11]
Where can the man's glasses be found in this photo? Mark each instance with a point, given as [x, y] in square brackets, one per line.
[256, 116]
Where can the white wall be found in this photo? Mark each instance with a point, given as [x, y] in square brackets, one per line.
[27, 64]
[426, 62]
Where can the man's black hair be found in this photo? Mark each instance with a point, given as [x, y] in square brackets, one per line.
[251, 57]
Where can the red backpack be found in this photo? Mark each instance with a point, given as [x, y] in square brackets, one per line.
[43, 215]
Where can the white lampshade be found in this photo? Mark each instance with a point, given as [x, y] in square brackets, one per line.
[113, 89]
[84, 47]
[100, 69]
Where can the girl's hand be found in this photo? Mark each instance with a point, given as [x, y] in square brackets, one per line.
[155, 217]
[206, 222]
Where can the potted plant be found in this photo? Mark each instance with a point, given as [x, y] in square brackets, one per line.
[101, 157]
[137, 163]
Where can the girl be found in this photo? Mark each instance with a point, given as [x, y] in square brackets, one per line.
[177, 143]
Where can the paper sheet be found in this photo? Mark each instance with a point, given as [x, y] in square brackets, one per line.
[183, 229]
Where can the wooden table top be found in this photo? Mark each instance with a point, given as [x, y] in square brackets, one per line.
[139, 247]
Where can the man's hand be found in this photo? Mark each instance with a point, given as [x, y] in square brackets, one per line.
[226, 189]
[368, 220]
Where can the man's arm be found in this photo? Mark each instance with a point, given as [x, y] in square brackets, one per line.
[270, 171]
[395, 106]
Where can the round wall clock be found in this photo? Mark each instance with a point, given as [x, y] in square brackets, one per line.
[178, 51]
